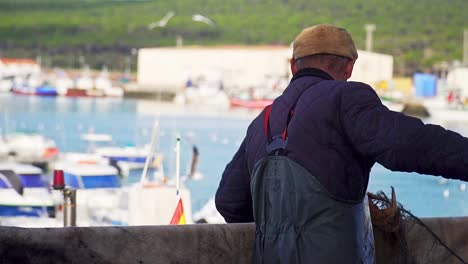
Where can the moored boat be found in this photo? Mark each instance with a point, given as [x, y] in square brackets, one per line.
[28, 148]
[250, 103]
[46, 90]
[98, 189]
[24, 192]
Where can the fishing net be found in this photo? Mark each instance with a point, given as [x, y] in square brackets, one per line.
[407, 239]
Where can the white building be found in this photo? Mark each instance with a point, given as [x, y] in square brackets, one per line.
[457, 79]
[18, 67]
[169, 68]
[372, 67]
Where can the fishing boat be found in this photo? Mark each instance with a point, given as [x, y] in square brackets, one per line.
[126, 159]
[46, 90]
[125, 154]
[91, 176]
[33, 85]
[159, 201]
[24, 192]
[153, 200]
[28, 148]
[102, 200]
[101, 86]
[98, 189]
[83, 84]
[23, 90]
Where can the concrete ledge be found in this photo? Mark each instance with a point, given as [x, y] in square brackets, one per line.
[150, 244]
[150, 95]
[202, 243]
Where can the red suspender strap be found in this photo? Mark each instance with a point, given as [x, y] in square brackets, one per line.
[284, 134]
[266, 118]
[285, 131]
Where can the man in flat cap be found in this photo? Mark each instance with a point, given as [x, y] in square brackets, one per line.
[302, 171]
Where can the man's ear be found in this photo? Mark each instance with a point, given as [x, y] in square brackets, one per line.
[294, 67]
[349, 69]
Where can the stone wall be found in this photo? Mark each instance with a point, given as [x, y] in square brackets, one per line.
[201, 243]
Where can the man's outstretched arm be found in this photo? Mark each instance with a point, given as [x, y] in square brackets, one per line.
[233, 198]
[400, 142]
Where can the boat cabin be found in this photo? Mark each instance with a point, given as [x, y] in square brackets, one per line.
[24, 192]
[91, 177]
[30, 176]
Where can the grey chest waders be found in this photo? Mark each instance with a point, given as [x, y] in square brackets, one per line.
[297, 220]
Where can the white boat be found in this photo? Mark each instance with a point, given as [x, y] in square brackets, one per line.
[28, 148]
[130, 154]
[91, 176]
[98, 188]
[6, 84]
[128, 158]
[29, 85]
[80, 158]
[104, 84]
[101, 200]
[62, 82]
[76, 159]
[83, 84]
[205, 89]
[124, 158]
[24, 192]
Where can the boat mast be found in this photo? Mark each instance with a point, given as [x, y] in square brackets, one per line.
[465, 48]
[177, 151]
[154, 136]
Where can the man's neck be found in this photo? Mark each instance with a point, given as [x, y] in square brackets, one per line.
[312, 72]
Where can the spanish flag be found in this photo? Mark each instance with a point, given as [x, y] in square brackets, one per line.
[179, 217]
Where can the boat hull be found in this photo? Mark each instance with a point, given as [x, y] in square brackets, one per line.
[253, 104]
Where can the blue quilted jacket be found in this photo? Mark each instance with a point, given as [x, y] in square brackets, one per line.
[338, 131]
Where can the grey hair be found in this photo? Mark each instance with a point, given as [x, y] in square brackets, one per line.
[328, 62]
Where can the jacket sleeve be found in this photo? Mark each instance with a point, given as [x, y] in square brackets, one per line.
[233, 198]
[400, 142]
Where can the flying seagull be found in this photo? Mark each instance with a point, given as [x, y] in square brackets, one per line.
[162, 22]
[203, 19]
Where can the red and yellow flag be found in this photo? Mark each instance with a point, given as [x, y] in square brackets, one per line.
[179, 217]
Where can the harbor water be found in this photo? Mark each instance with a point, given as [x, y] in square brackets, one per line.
[217, 135]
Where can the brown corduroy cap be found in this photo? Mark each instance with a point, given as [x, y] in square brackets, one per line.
[324, 39]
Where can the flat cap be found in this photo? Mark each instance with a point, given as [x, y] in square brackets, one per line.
[324, 39]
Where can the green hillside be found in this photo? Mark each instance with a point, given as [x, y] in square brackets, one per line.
[418, 33]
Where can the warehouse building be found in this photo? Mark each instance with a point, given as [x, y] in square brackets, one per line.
[238, 67]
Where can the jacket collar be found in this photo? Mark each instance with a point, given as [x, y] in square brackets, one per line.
[311, 72]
